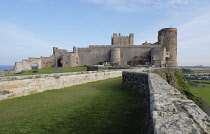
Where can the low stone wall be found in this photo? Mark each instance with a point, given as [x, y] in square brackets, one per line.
[169, 111]
[15, 86]
[6, 72]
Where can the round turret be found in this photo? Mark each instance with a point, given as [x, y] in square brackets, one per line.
[167, 37]
[115, 55]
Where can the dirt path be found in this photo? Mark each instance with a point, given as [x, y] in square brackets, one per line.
[59, 70]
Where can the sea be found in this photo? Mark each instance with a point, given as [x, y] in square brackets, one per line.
[6, 67]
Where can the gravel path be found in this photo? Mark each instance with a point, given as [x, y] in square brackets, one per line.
[59, 70]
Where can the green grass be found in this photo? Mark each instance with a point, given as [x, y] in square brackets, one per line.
[184, 88]
[202, 80]
[40, 71]
[74, 69]
[203, 92]
[101, 107]
[187, 71]
[50, 70]
[176, 78]
[201, 71]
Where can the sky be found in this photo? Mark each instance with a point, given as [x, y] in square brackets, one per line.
[31, 28]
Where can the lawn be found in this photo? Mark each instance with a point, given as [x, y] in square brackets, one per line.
[203, 92]
[40, 71]
[74, 69]
[101, 107]
[50, 70]
[202, 80]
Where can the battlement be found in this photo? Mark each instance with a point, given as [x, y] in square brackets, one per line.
[149, 45]
[117, 39]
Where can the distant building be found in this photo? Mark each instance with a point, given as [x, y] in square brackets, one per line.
[121, 52]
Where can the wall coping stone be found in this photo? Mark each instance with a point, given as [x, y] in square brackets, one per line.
[171, 112]
[12, 78]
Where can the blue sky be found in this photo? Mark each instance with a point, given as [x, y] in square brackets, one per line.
[30, 28]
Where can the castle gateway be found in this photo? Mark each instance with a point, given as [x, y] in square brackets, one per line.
[121, 52]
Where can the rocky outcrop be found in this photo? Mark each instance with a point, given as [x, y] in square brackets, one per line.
[170, 111]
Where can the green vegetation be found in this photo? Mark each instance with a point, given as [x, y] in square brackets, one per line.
[184, 88]
[203, 92]
[202, 80]
[202, 71]
[187, 71]
[192, 84]
[101, 107]
[181, 82]
[40, 71]
[50, 70]
[177, 79]
[74, 69]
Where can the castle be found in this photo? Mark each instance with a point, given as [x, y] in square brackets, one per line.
[121, 52]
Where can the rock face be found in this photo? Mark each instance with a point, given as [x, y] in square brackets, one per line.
[169, 111]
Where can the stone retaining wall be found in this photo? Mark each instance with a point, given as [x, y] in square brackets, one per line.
[6, 72]
[169, 111]
[15, 86]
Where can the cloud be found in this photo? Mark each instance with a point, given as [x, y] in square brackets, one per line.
[144, 5]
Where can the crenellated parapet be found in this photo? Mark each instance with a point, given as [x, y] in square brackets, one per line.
[117, 39]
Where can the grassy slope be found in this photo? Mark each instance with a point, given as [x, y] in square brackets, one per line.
[181, 84]
[74, 69]
[184, 88]
[203, 92]
[50, 70]
[41, 71]
[101, 107]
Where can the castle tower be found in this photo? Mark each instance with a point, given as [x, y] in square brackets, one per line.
[131, 38]
[117, 39]
[115, 55]
[167, 37]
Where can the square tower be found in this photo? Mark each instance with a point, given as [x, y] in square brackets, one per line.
[117, 39]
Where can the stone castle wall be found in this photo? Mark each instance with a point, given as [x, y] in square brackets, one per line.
[160, 54]
[6, 72]
[117, 39]
[26, 64]
[95, 54]
[169, 111]
[15, 86]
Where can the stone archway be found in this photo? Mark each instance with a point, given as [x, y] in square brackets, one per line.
[59, 62]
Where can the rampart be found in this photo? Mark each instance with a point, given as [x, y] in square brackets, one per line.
[6, 72]
[168, 111]
[15, 86]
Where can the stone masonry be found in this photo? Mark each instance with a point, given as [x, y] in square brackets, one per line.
[15, 86]
[170, 111]
[122, 52]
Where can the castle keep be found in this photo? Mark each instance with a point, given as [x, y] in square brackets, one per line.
[121, 52]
